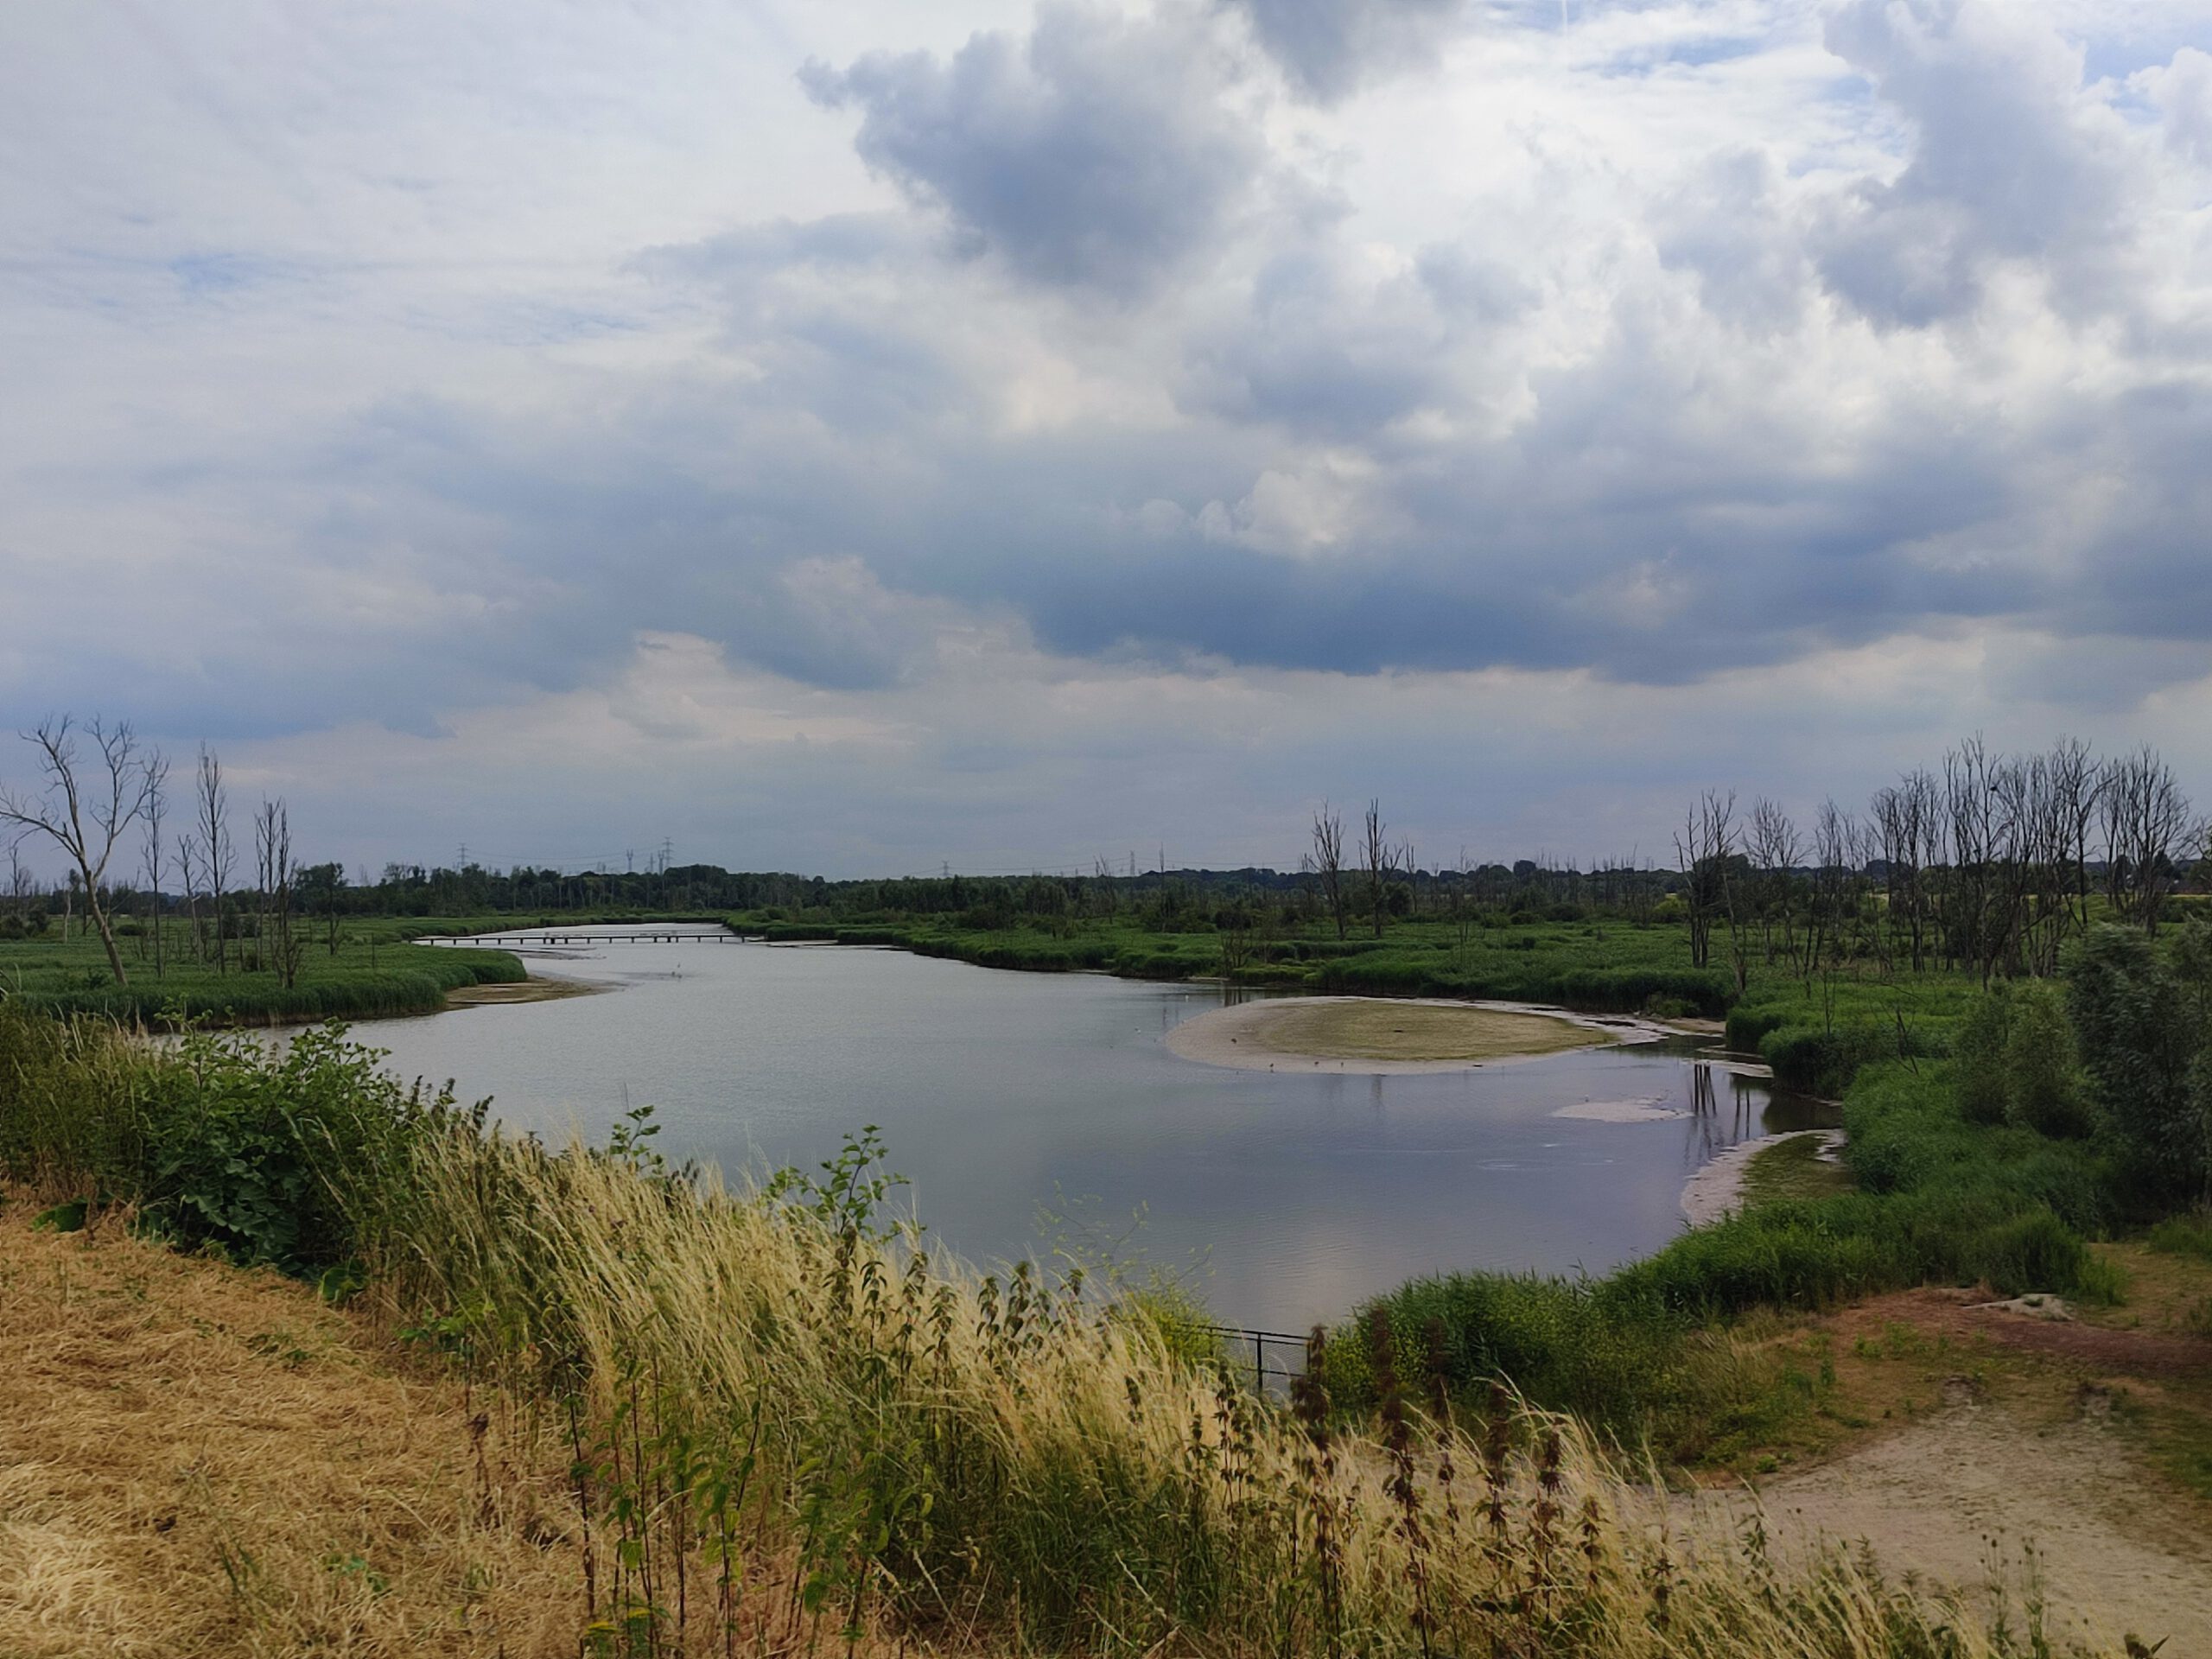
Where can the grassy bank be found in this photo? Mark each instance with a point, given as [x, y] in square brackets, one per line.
[1605, 966]
[1644, 1349]
[790, 1424]
[2068, 1113]
[373, 973]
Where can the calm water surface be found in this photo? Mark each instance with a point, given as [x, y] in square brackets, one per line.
[1287, 1197]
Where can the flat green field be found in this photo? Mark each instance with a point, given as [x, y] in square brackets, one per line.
[373, 972]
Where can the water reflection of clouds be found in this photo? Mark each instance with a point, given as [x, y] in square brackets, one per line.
[1303, 1191]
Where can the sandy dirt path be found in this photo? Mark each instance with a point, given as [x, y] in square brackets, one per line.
[1976, 1484]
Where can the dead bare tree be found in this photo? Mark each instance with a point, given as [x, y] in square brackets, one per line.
[85, 817]
[2076, 787]
[187, 881]
[2148, 820]
[279, 949]
[213, 806]
[1327, 861]
[1703, 848]
[1775, 850]
[1375, 858]
[157, 778]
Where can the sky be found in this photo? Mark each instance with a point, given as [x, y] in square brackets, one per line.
[863, 438]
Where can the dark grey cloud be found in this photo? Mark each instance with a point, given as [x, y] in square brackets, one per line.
[1321, 352]
[2008, 163]
[1328, 48]
[1095, 152]
[1566, 405]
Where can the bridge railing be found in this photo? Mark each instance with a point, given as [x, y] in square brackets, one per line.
[1270, 1360]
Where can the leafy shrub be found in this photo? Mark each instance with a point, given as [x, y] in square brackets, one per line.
[2142, 1022]
[1979, 1047]
[2041, 1072]
[2032, 1252]
[268, 1157]
[2189, 1235]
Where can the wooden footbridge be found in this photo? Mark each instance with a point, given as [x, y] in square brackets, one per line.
[525, 941]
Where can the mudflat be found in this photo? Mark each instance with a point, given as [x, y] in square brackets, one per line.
[1377, 1034]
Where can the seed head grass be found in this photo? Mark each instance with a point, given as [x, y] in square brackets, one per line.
[632, 1410]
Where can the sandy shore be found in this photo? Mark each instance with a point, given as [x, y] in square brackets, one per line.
[1239, 1037]
[1621, 1111]
[533, 989]
[1712, 1192]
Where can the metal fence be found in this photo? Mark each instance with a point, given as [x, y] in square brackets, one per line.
[1272, 1360]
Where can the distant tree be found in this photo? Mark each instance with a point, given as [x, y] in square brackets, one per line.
[1374, 859]
[2148, 822]
[84, 815]
[188, 881]
[2145, 1021]
[157, 778]
[1703, 848]
[1327, 861]
[272, 844]
[215, 832]
[1775, 850]
[320, 885]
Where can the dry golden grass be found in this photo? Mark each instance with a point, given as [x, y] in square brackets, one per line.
[1374, 1029]
[196, 1460]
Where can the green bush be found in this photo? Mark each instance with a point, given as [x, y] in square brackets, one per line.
[2142, 1020]
[1978, 1046]
[268, 1156]
[2032, 1252]
[2042, 1071]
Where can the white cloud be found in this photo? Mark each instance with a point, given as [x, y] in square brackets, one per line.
[1180, 403]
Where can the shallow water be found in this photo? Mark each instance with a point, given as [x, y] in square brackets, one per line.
[1286, 1197]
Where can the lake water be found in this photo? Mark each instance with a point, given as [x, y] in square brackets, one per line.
[1284, 1198]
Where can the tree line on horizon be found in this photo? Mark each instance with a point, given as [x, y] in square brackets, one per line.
[1984, 862]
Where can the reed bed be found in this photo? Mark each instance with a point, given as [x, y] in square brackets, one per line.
[791, 1423]
[759, 1379]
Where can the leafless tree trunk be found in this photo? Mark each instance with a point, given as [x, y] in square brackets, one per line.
[188, 878]
[1702, 847]
[2147, 821]
[1328, 860]
[1374, 856]
[157, 778]
[19, 881]
[85, 817]
[1775, 850]
[2077, 787]
[272, 848]
[215, 841]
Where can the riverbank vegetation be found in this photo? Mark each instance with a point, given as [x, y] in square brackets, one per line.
[2071, 1113]
[782, 1421]
[368, 975]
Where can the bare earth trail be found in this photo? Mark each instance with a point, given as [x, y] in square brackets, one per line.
[1976, 1485]
[2041, 1491]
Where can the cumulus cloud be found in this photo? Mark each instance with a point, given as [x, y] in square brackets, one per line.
[1093, 151]
[2014, 160]
[1327, 48]
[2182, 90]
[1035, 391]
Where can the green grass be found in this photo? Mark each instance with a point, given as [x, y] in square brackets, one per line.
[1793, 1169]
[1605, 966]
[1937, 1200]
[2185, 1235]
[373, 973]
[780, 1388]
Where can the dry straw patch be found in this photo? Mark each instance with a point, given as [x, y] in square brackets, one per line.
[195, 1460]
